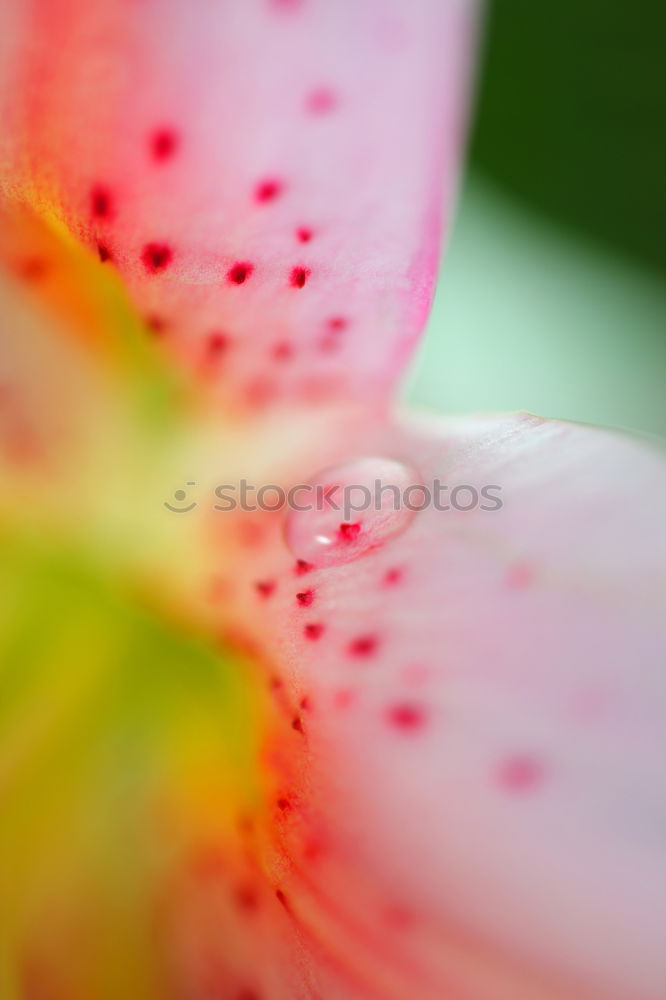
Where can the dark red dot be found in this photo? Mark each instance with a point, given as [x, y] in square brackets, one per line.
[247, 995]
[283, 804]
[321, 101]
[268, 190]
[163, 143]
[156, 256]
[392, 576]
[303, 234]
[305, 703]
[406, 716]
[282, 351]
[100, 202]
[363, 646]
[305, 598]
[240, 272]
[265, 588]
[103, 252]
[520, 773]
[302, 566]
[297, 724]
[298, 276]
[313, 631]
[349, 532]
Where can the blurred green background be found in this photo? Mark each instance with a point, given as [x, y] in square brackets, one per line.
[552, 296]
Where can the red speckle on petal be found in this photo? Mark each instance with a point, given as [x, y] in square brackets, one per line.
[297, 724]
[392, 576]
[246, 898]
[349, 532]
[282, 351]
[265, 588]
[282, 899]
[519, 575]
[268, 190]
[336, 324]
[103, 252]
[32, 269]
[329, 344]
[303, 234]
[302, 566]
[216, 344]
[157, 324]
[406, 716]
[287, 5]
[520, 773]
[305, 598]
[363, 646]
[247, 995]
[321, 101]
[313, 631]
[283, 804]
[239, 272]
[101, 204]
[343, 698]
[298, 276]
[156, 257]
[163, 143]
[305, 704]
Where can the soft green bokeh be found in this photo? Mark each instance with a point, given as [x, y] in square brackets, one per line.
[532, 317]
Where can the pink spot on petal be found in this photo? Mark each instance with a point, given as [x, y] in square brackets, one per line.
[343, 698]
[302, 566]
[268, 190]
[216, 344]
[321, 101]
[520, 773]
[363, 646]
[303, 234]
[305, 598]
[406, 716]
[392, 576]
[336, 324]
[519, 575]
[265, 588]
[282, 351]
[313, 631]
[163, 143]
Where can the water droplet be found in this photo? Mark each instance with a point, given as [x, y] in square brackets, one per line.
[350, 509]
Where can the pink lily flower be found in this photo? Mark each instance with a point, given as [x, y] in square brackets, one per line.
[341, 754]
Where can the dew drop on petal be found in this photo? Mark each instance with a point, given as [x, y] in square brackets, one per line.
[353, 508]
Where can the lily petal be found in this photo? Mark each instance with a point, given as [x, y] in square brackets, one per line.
[267, 176]
[481, 702]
